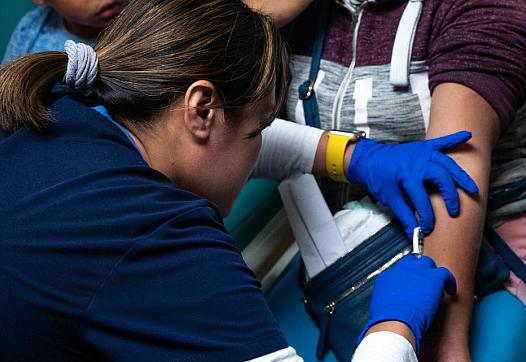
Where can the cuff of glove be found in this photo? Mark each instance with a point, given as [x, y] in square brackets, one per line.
[360, 153]
[403, 314]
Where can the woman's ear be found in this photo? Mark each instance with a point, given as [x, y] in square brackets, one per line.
[200, 114]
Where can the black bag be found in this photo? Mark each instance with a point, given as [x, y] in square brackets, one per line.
[338, 297]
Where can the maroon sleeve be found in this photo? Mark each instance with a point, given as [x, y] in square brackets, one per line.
[482, 44]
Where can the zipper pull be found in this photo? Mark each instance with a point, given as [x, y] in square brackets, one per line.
[323, 340]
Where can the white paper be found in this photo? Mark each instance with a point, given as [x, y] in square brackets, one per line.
[322, 238]
[312, 223]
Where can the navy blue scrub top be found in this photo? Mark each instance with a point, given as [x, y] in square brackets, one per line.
[103, 258]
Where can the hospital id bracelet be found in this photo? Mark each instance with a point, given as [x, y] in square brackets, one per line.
[336, 146]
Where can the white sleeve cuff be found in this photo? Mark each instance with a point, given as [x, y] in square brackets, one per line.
[384, 347]
[287, 148]
[376, 347]
[283, 355]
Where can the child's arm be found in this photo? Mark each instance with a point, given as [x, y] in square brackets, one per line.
[281, 11]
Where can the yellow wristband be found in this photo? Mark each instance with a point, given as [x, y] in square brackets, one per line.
[336, 153]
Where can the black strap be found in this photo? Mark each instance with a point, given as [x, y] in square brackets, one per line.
[499, 198]
[306, 89]
[515, 264]
[506, 194]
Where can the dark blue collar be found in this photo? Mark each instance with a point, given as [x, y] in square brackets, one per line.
[102, 110]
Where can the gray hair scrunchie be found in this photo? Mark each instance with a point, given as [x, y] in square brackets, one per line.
[83, 67]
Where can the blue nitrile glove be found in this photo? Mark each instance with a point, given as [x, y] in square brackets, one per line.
[390, 172]
[410, 292]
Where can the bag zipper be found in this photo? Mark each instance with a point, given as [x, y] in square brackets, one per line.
[331, 307]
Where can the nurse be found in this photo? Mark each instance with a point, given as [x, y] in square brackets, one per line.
[114, 185]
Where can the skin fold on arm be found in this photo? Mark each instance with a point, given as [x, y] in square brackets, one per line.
[455, 242]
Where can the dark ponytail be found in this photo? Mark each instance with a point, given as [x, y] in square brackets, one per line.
[25, 86]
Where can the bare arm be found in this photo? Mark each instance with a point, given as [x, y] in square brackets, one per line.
[281, 11]
[455, 241]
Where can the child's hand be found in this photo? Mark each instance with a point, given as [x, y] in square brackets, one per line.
[282, 12]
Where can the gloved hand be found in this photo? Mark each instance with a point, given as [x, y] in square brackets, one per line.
[390, 172]
[410, 292]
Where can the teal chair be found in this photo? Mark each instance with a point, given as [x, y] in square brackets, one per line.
[498, 328]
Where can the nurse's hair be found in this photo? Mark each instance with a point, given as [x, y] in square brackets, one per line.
[150, 55]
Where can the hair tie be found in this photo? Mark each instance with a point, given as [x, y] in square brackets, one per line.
[83, 67]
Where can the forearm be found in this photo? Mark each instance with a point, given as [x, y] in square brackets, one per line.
[455, 242]
[455, 245]
[282, 12]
